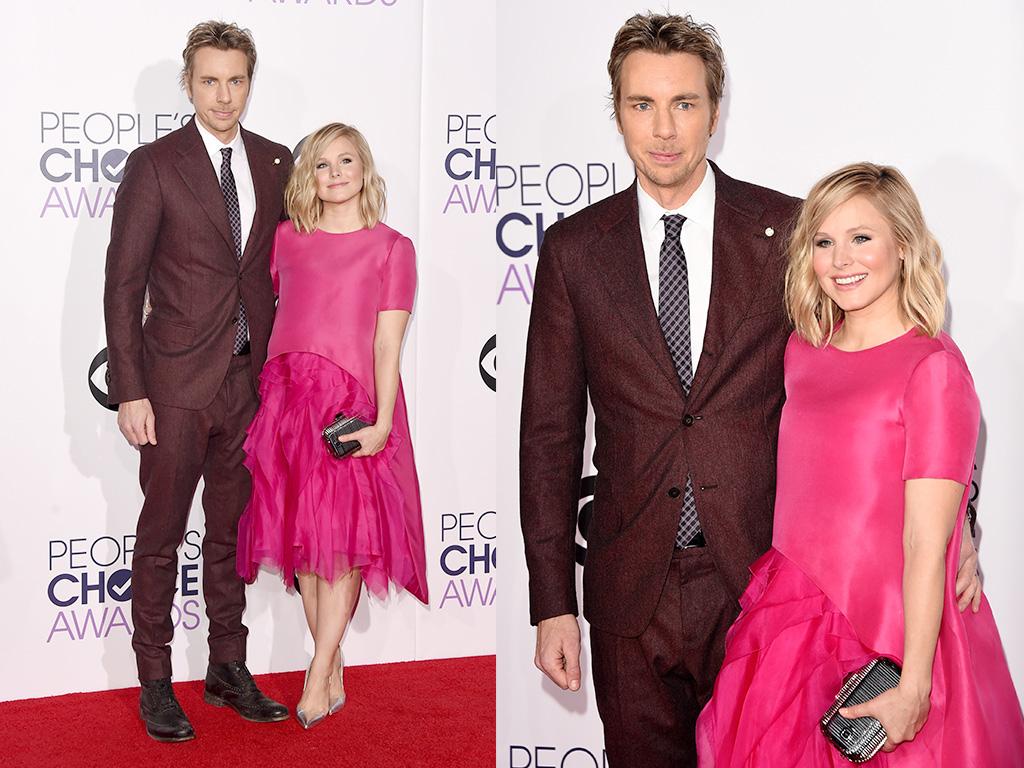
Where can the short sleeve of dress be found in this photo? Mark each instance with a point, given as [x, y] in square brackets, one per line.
[941, 416]
[398, 284]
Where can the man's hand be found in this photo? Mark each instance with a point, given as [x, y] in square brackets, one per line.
[137, 423]
[968, 583]
[558, 650]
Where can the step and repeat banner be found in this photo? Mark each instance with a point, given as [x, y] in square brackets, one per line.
[90, 83]
[927, 87]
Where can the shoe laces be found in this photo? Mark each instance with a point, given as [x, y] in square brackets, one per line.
[244, 677]
[164, 693]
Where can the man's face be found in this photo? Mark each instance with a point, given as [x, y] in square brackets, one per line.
[666, 120]
[218, 89]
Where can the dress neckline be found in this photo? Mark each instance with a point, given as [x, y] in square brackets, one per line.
[343, 234]
[912, 331]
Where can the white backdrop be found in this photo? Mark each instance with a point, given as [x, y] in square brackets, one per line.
[929, 87]
[89, 83]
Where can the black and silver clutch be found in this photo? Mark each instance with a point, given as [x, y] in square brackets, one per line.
[334, 434]
[859, 740]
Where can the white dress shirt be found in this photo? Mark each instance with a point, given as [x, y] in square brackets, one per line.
[239, 169]
[697, 236]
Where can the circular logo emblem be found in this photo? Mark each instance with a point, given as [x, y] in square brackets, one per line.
[584, 516]
[298, 147]
[489, 363]
[119, 585]
[99, 377]
[112, 164]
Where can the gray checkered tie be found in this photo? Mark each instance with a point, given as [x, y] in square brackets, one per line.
[227, 186]
[674, 316]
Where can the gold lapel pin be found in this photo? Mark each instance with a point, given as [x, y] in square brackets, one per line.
[277, 161]
[769, 231]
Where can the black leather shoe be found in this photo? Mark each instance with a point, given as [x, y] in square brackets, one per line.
[160, 711]
[231, 685]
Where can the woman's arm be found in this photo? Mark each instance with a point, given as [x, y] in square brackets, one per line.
[930, 513]
[387, 352]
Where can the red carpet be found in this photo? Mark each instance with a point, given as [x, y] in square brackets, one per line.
[423, 713]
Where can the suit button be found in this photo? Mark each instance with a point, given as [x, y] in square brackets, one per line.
[673, 492]
[234, 320]
[688, 420]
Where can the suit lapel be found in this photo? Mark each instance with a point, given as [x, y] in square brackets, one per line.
[618, 257]
[197, 172]
[739, 253]
[264, 183]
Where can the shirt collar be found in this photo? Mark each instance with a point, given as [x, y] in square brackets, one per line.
[700, 208]
[214, 145]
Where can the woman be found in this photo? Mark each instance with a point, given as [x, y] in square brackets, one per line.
[345, 283]
[876, 449]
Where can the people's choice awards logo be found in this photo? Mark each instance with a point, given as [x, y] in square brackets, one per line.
[489, 363]
[536, 756]
[90, 586]
[469, 558]
[534, 196]
[294, 4]
[471, 164]
[84, 154]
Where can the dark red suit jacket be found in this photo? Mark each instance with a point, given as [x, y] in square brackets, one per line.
[594, 328]
[170, 231]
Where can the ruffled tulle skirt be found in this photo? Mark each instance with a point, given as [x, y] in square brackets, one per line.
[788, 654]
[312, 513]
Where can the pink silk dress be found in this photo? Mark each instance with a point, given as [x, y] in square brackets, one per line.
[310, 512]
[827, 597]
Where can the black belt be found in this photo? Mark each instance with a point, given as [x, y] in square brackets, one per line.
[698, 540]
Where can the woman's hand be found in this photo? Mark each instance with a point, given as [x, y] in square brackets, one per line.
[968, 583]
[371, 439]
[902, 711]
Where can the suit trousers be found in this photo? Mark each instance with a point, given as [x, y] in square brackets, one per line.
[651, 688]
[191, 444]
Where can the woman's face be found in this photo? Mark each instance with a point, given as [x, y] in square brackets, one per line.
[339, 173]
[856, 258]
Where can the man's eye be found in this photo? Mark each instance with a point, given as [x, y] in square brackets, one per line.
[822, 243]
[642, 106]
[684, 105]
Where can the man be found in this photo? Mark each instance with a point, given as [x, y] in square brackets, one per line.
[193, 223]
[664, 303]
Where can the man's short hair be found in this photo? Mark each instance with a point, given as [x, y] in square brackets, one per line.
[660, 33]
[220, 35]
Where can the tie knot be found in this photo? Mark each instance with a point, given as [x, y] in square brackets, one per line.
[673, 224]
[226, 154]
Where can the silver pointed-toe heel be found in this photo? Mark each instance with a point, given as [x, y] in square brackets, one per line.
[304, 719]
[307, 722]
[339, 702]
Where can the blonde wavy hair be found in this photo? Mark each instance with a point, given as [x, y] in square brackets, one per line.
[301, 201]
[922, 290]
